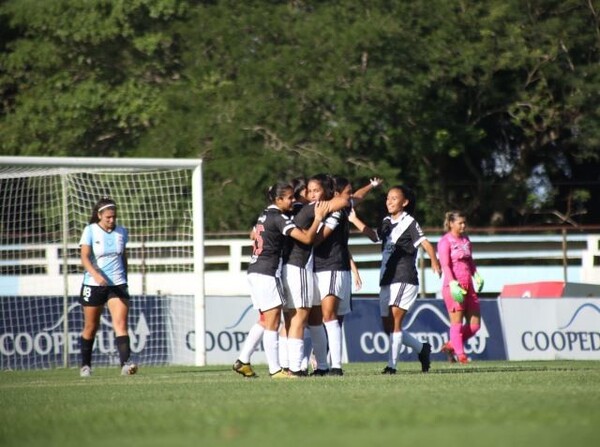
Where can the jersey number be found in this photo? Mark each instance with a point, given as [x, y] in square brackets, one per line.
[86, 293]
[258, 242]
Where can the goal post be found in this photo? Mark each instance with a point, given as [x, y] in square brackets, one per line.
[45, 202]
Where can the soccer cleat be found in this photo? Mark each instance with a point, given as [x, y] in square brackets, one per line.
[281, 374]
[336, 372]
[300, 373]
[388, 370]
[319, 373]
[245, 369]
[463, 359]
[449, 351]
[129, 369]
[425, 357]
[85, 371]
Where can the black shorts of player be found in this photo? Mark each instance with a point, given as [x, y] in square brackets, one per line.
[99, 295]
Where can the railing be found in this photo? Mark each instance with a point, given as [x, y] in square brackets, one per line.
[166, 267]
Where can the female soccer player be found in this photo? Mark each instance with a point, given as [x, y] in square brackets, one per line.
[271, 230]
[460, 286]
[104, 258]
[242, 365]
[334, 280]
[401, 236]
[299, 279]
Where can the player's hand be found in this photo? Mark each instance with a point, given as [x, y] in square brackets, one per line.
[478, 280]
[321, 210]
[457, 292]
[357, 282]
[375, 182]
[352, 216]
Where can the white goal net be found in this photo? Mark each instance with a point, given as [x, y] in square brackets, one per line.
[45, 203]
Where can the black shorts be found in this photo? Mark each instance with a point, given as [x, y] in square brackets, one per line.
[99, 295]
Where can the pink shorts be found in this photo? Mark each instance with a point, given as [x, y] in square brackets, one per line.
[469, 305]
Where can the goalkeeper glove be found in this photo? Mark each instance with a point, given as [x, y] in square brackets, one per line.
[478, 282]
[457, 292]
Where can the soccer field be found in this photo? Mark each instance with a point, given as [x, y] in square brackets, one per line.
[485, 403]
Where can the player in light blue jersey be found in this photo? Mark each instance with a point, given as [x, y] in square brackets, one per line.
[104, 258]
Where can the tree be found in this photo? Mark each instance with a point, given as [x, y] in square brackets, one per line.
[83, 78]
[489, 107]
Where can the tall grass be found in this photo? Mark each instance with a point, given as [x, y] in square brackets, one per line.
[487, 403]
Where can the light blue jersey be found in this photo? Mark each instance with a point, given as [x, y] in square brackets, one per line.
[107, 253]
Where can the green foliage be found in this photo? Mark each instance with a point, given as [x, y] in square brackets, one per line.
[83, 78]
[465, 101]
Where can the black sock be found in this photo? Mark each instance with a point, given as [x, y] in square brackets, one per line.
[123, 348]
[86, 351]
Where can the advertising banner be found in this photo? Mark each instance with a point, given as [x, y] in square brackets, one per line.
[32, 332]
[428, 321]
[551, 329]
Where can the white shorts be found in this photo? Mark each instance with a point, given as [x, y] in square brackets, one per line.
[266, 291]
[337, 283]
[397, 294]
[299, 286]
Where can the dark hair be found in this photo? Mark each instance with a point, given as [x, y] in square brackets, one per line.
[102, 204]
[278, 190]
[340, 183]
[326, 182]
[299, 185]
[410, 195]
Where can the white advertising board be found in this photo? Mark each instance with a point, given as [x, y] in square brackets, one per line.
[551, 329]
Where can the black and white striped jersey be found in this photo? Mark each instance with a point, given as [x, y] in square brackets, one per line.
[271, 231]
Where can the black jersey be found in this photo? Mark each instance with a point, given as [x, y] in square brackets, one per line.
[298, 254]
[333, 253]
[400, 240]
[271, 230]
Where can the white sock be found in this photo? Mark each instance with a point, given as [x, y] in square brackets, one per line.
[411, 341]
[391, 363]
[395, 347]
[319, 342]
[251, 343]
[307, 349]
[284, 360]
[334, 336]
[271, 343]
[295, 350]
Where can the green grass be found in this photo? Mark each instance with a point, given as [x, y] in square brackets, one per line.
[485, 403]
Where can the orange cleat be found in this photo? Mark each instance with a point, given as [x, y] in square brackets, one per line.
[449, 351]
[463, 359]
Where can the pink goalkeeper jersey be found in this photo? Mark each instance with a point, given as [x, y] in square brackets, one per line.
[456, 259]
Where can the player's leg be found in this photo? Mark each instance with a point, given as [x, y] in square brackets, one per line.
[118, 306]
[295, 342]
[242, 364]
[92, 300]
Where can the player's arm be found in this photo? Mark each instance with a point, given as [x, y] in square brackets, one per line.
[337, 204]
[308, 236]
[435, 264]
[125, 262]
[88, 265]
[360, 193]
[446, 263]
[323, 233]
[363, 227]
[355, 274]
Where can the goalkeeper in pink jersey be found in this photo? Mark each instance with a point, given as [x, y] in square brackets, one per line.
[461, 284]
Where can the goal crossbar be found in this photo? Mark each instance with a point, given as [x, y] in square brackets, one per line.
[101, 162]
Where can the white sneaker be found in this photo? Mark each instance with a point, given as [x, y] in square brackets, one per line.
[85, 371]
[129, 369]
